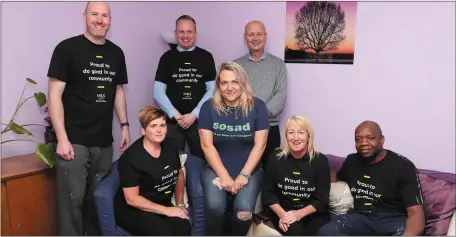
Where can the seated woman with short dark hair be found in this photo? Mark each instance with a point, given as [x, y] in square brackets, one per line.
[150, 174]
[296, 184]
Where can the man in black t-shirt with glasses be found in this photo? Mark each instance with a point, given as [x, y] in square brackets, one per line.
[385, 188]
[86, 77]
[184, 80]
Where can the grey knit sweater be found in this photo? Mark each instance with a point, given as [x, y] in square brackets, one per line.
[268, 80]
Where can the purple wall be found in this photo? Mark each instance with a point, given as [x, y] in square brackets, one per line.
[403, 76]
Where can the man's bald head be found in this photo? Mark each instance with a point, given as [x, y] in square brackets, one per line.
[255, 25]
[255, 37]
[92, 4]
[371, 125]
[97, 17]
[369, 140]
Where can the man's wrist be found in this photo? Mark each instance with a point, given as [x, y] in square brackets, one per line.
[124, 124]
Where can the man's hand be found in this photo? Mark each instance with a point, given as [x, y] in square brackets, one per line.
[65, 149]
[186, 121]
[178, 117]
[125, 138]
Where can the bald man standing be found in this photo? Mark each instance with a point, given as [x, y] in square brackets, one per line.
[86, 77]
[385, 188]
[267, 78]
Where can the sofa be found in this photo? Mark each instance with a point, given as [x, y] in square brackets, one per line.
[438, 191]
[439, 194]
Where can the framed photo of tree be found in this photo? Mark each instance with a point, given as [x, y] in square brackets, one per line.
[320, 32]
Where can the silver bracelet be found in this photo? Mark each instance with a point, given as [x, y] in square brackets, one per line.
[242, 173]
[182, 205]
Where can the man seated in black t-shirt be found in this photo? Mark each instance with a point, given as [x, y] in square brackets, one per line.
[184, 81]
[385, 188]
[150, 174]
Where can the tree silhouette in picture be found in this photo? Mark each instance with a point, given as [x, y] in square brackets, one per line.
[319, 26]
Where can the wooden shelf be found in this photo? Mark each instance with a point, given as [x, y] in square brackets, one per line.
[23, 165]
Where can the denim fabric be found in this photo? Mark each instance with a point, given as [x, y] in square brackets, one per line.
[358, 223]
[216, 203]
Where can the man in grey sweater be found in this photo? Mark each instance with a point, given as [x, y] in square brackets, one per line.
[267, 78]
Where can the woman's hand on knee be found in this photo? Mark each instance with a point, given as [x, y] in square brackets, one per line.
[289, 217]
[240, 182]
[227, 183]
[176, 212]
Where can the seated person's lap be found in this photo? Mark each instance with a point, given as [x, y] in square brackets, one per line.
[354, 223]
[149, 223]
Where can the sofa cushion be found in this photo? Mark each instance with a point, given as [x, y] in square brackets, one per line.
[340, 198]
[439, 200]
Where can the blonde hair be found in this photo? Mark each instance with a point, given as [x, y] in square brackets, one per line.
[300, 122]
[246, 101]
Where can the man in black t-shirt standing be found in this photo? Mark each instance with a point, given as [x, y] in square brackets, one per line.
[86, 77]
[385, 188]
[184, 80]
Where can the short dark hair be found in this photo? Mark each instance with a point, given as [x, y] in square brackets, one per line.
[186, 17]
[150, 113]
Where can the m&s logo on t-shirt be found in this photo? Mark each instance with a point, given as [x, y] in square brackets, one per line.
[221, 126]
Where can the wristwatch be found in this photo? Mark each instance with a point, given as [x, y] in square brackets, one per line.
[124, 124]
[245, 175]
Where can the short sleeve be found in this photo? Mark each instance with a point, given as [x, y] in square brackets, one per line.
[205, 118]
[211, 70]
[262, 119]
[160, 75]
[410, 186]
[58, 67]
[123, 79]
[128, 175]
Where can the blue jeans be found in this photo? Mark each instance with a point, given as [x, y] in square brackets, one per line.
[357, 223]
[216, 203]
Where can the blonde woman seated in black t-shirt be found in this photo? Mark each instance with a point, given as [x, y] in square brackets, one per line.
[150, 174]
[297, 182]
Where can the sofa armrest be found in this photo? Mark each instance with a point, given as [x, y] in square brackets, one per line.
[104, 201]
[452, 226]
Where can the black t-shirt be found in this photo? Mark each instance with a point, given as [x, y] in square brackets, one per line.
[185, 74]
[156, 177]
[297, 183]
[390, 185]
[91, 73]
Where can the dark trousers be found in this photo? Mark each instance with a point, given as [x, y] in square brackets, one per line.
[177, 135]
[76, 182]
[356, 223]
[144, 223]
[272, 143]
[307, 226]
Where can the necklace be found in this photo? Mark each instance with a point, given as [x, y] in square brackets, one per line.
[233, 109]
